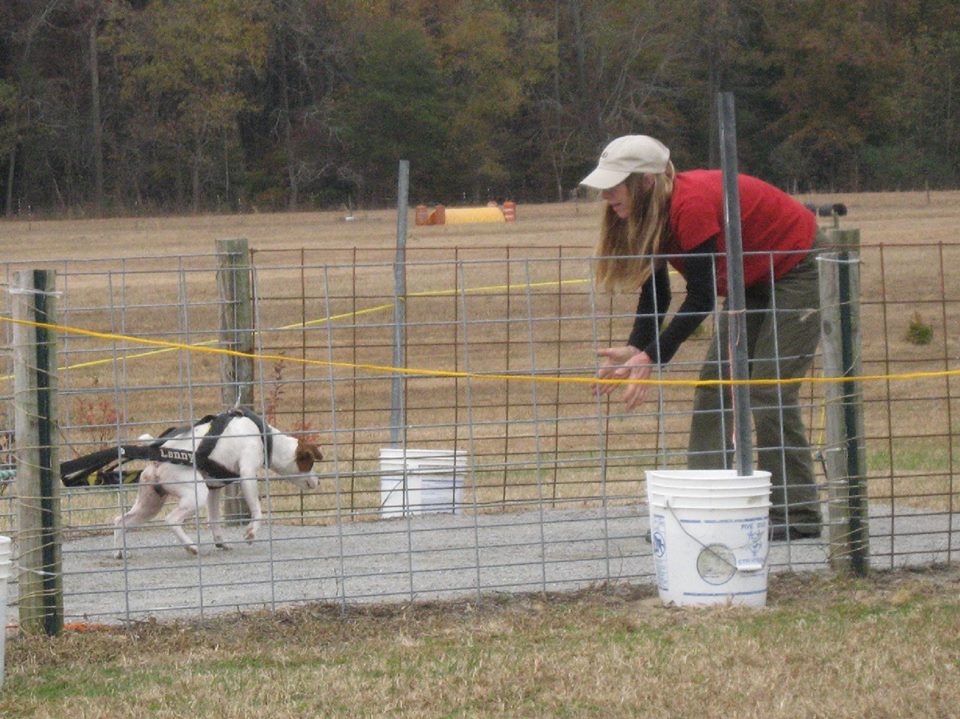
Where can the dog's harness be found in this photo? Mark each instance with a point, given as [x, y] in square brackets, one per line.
[74, 472]
[210, 468]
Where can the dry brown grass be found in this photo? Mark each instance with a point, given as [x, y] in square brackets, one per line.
[883, 218]
[887, 646]
[311, 265]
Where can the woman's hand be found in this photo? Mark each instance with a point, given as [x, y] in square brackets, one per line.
[624, 363]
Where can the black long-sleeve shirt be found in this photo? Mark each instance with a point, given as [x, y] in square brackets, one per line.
[655, 295]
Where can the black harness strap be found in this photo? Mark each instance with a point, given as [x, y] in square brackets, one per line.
[266, 435]
[215, 470]
[210, 468]
[73, 472]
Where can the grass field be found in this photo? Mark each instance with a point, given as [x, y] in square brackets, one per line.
[886, 646]
[883, 647]
[141, 274]
[883, 218]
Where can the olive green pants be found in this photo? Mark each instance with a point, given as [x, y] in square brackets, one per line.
[783, 329]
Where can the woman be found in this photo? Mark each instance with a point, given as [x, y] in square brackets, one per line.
[655, 216]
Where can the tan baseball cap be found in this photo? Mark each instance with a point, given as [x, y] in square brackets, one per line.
[626, 155]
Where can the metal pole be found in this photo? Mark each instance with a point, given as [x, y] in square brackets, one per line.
[853, 423]
[397, 404]
[844, 456]
[38, 488]
[736, 300]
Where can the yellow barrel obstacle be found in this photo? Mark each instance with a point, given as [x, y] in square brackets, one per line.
[441, 215]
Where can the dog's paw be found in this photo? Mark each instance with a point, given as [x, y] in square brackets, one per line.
[118, 554]
[222, 545]
[192, 549]
[250, 535]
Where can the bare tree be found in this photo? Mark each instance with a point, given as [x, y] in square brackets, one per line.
[23, 24]
[305, 68]
[96, 126]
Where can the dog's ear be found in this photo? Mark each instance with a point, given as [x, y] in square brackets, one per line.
[307, 454]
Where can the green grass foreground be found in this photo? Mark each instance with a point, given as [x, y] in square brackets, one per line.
[885, 646]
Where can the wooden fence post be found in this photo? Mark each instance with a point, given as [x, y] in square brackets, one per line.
[234, 283]
[845, 451]
[38, 481]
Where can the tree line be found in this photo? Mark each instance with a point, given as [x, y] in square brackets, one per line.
[137, 106]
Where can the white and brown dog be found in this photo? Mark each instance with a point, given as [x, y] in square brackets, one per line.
[194, 464]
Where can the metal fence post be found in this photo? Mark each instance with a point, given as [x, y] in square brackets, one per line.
[398, 383]
[38, 482]
[845, 453]
[236, 334]
[736, 293]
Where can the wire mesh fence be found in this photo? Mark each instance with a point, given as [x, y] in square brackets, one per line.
[500, 347]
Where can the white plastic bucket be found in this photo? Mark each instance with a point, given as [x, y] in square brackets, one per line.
[421, 481]
[708, 529]
[6, 567]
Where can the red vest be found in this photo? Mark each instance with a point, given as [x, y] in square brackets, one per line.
[777, 230]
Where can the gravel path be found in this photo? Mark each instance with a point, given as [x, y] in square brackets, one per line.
[440, 556]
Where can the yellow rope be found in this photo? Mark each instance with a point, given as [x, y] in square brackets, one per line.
[332, 318]
[170, 346]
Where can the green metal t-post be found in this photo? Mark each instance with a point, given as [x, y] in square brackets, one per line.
[736, 294]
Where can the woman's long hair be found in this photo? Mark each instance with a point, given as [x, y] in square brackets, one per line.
[627, 248]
